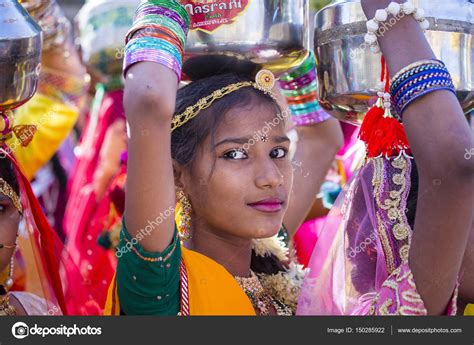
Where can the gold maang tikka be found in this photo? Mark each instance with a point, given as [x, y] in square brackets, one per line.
[264, 81]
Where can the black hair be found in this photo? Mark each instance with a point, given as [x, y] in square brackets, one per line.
[187, 139]
[7, 172]
[412, 199]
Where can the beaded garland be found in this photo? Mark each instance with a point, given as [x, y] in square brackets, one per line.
[260, 298]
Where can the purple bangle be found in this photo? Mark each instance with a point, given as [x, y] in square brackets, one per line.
[300, 82]
[158, 10]
[7, 129]
[152, 55]
[146, 54]
[311, 118]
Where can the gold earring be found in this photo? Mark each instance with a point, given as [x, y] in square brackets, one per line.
[184, 215]
[8, 283]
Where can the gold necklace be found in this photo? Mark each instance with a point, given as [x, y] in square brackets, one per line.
[5, 307]
[259, 297]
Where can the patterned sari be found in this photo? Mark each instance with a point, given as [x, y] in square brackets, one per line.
[360, 263]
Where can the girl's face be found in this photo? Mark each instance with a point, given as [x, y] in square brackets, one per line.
[9, 223]
[239, 184]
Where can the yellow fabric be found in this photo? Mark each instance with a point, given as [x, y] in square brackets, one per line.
[112, 307]
[212, 290]
[469, 310]
[54, 122]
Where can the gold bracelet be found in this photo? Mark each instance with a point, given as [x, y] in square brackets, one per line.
[414, 65]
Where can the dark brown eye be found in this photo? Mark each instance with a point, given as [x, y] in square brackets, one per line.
[278, 153]
[235, 154]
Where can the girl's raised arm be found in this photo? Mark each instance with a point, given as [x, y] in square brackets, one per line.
[149, 100]
[438, 134]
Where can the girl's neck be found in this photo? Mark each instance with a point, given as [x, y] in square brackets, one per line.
[233, 253]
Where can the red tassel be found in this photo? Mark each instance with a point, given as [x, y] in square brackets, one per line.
[388, 139]
[373, 116]
[381, 132]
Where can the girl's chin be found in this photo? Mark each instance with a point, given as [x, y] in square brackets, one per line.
[266, 232]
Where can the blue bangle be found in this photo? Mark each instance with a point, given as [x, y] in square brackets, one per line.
[420, 85]
[428, 66]
[434, 72]
[424, 89]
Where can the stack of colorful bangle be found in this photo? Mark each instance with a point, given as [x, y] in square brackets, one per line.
[158, 35]
[300, 89]
[417, 80]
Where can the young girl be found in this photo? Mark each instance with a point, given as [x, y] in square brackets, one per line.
[229, 168]
[235, 187]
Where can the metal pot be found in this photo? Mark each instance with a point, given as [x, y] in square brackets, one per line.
[20, 55]
[348, 74]
[245, 35]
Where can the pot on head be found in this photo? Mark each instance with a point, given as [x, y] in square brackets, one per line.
[20, 55]
[245, 36]
[348, 72]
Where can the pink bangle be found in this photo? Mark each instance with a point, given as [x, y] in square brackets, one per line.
[300, 82]
[311, 118]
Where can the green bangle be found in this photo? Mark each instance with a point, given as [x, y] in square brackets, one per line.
[305, 90]
[172, 5]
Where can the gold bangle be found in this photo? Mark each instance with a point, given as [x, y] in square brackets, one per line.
[414, 65]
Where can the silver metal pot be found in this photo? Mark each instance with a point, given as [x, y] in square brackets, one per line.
[20, 55]
[348, 74]
[245, 35]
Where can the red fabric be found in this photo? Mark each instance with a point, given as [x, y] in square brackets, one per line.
[86, 218]
[50, 246]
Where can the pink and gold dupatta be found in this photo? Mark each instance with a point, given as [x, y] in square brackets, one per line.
[360, 263]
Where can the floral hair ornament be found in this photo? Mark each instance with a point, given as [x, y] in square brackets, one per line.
[24, 133]
[264, 82]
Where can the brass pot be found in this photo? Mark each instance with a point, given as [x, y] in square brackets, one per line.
[245, 35]
[20, 55]
[348, 74]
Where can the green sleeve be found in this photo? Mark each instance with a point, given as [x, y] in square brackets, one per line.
[148, 287]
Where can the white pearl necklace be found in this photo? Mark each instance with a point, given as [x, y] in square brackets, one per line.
[398, 11]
